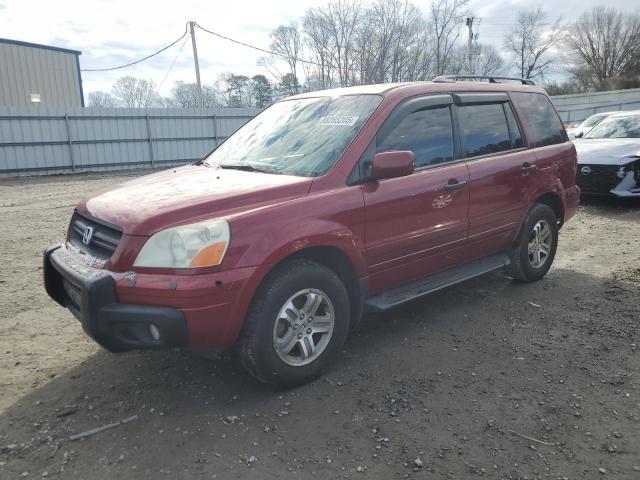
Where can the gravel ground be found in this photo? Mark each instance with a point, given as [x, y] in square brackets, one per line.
[488, 378]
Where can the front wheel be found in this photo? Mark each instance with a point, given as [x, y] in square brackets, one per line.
[297, 322]
[532, 257]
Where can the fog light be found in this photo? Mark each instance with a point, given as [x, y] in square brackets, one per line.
[155, 333]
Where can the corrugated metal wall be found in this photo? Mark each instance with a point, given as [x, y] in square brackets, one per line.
[577, 107]
[90, 139]
[51, 73]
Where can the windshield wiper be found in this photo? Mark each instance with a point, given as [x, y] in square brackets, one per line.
[245, 167]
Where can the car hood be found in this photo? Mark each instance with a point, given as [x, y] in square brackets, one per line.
[607, 151]
[187, 194]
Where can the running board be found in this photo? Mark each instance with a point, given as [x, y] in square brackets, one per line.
[395, 296]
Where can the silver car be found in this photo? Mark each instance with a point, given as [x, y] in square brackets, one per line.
[609, 156]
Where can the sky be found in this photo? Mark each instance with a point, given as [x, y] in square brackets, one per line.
[114, 32]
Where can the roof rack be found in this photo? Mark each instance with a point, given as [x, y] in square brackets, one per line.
[491, 79]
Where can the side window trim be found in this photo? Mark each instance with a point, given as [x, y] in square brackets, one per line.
[495, 154]
[507, 105]
[469, 98]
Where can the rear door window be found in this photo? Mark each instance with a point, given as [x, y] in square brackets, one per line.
[483, 129]
[427, 133]
[537, 110]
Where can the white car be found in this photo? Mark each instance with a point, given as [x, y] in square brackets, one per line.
[609, 156]
[587, 125]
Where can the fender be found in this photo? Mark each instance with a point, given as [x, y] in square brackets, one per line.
[315, 233]
[273, 248]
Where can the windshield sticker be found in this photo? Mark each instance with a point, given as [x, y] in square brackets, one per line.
[341, 120]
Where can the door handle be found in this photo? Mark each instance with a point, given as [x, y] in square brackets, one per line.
[528, 168]
[455, 186]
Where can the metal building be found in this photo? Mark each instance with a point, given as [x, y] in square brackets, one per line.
[39, 75]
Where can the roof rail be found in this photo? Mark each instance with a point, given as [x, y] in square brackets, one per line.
[490, 78]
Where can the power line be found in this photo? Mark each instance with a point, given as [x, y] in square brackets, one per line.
[270, 52]
[137, 61]
[172, 64]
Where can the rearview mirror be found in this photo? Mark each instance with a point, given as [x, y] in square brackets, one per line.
[396, 163]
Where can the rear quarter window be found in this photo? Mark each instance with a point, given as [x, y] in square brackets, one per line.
[544, 124]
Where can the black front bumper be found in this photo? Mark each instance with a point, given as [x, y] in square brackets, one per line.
[597, 179]
[90, 295]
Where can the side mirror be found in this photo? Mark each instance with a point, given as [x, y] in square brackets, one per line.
[578, 135]
[396, 163]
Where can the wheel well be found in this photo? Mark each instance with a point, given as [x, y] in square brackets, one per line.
[554, 201]
[336, 260]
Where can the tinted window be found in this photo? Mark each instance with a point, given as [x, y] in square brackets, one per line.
[427, 133]
[546, 128]
[483, 129]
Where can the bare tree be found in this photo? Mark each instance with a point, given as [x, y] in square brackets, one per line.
[136, 92]
[186, 95]
[389, 35]
[102, 100]
[604, 43]
[530, 40]
[318, 39]
[340, 18]
[446, 17]
[486, 60]
[286, 42]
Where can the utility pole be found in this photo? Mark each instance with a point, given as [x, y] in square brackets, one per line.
[470, 46]
[195, 62]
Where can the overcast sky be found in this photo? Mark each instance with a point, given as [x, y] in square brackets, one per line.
[114, 32]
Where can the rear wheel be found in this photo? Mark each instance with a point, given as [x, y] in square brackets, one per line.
[531, 259]
[298, 321]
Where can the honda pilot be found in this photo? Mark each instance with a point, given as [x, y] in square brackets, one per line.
[324, 206]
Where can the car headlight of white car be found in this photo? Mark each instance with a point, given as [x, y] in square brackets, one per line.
[202, 244]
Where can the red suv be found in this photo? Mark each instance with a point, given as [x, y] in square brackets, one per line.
[322, 207]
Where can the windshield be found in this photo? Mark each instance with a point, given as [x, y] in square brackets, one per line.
[592, 121]
[303, 137]
[617, 127]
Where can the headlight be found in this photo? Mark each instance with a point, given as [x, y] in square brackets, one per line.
[189, 246]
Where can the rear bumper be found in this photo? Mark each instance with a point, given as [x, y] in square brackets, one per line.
[91, 297]
[118, 310]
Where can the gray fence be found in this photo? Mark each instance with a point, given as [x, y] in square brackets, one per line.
[42, 141]
[577, 107]
[86, 139]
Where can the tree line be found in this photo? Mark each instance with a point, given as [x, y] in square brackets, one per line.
[230, 90]
[348, 42]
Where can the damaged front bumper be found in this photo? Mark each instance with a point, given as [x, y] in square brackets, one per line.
[90, 294]
[630, 184]
[619, 180]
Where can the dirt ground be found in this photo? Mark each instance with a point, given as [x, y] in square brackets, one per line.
[489, 378]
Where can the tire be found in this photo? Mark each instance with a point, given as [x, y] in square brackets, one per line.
[275, 325]
[525, 265]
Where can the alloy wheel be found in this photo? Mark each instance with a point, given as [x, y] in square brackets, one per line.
[303, 327]
[540, 243]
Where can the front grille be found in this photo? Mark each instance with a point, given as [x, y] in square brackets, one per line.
[601, 179]
[104, 240]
